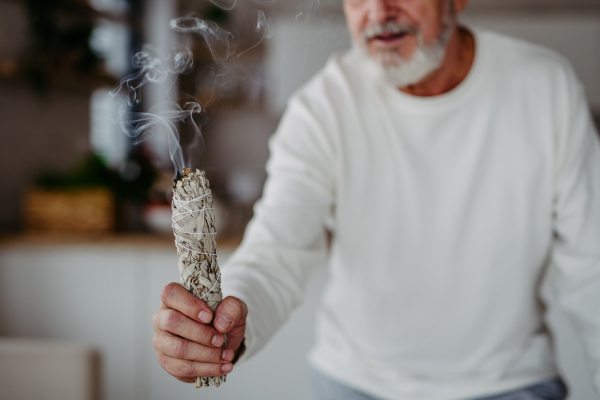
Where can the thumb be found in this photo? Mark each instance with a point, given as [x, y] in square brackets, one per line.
[230, 313]
[230, 318]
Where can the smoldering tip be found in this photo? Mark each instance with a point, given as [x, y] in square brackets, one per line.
[177, 178]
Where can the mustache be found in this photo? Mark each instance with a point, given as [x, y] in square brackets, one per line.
[394, 28]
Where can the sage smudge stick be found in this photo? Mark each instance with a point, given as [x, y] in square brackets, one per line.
[195, 238]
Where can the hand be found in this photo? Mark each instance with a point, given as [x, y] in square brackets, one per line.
[186, 346]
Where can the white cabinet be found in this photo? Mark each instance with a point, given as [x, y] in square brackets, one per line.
[105, 295]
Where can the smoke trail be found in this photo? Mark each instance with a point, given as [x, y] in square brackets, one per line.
[265, 3]
[149, 63]
[152, 68]
[309, 8]
[225, 5]
[261, 25]
[217, 40]
[141, 126]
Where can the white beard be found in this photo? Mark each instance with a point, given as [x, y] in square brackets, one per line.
[403, 73]
[390, 68]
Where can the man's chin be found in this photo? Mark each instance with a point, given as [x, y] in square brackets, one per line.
[387, 58]
[387, 69]
[397, 77]
[390, 68]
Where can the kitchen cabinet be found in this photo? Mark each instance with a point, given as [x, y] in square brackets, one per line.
[103, 293]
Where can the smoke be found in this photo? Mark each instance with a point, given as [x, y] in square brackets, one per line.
[265, 3]
[218, 41]
[312, 6]
[141, 126]
[154, 68]
[308, 8]
[261, 25]
[229, 5]
[224, 4]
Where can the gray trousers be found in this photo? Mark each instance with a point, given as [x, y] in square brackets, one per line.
[328, 389]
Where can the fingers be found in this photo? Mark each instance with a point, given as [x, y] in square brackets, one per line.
[230, 313]
[186, 347]
[180, 348]
[187, 370]
[174, 322]
[177, 297]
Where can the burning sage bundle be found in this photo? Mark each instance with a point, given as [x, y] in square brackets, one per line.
[194, 229]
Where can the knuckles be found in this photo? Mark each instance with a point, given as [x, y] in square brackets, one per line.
[156, 342]
[216, 354]
[193, 303]
[188, 369]
[162, 360]
[183, 300]
[170, 320]
[215, 370]
[181, 348]
[167, 290]
[155, 319]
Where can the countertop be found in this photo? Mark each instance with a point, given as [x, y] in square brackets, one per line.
[126, 240]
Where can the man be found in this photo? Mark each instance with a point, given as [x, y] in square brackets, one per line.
[454, 168]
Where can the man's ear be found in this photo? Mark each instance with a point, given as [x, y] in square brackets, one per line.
[459, 5]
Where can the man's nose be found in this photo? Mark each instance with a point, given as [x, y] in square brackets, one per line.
[382, 10]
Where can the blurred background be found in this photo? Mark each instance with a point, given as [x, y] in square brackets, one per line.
[85, 223]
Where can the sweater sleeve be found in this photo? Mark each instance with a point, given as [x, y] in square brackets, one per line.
[287, 236]
[575, 263]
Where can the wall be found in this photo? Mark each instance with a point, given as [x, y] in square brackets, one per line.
[13, 29]
[300, 47]
[574, 35]
[38, 134]
[298, 50]
[238, 141]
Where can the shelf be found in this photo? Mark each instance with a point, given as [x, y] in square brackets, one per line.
[11, 73]
[81, 7]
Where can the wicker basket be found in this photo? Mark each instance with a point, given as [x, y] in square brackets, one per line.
[90, 210]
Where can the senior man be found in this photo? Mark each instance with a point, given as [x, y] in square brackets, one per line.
[454, 169]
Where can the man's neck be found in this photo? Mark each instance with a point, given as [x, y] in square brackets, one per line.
[454, 69]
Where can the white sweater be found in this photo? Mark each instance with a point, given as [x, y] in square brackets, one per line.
[446, 213]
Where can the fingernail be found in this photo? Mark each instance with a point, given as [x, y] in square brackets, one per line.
[217, 340]
[204, 317]
[227, 367]
[224, 322]
[227, 354]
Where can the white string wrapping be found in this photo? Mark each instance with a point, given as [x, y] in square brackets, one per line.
[182, 205]
[179, 215]
[195, 240]
[194, 251]
[212, 288]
